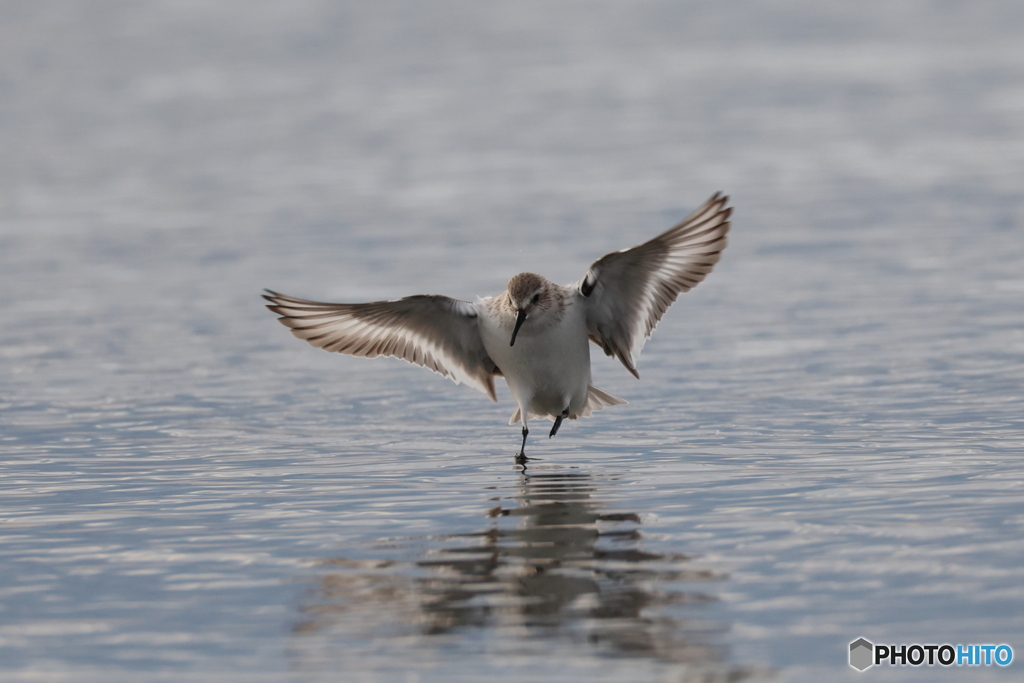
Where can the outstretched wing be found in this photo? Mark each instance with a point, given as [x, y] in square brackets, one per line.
[433, 331]
[626, 292]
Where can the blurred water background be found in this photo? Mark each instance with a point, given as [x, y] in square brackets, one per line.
[826, 442]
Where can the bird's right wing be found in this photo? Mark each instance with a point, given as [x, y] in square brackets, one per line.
[436, 332]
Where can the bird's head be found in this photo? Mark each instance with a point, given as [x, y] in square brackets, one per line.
[530, 295]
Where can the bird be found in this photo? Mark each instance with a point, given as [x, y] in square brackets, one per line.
[536, 334]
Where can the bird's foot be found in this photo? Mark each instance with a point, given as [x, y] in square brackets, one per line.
[521, 459]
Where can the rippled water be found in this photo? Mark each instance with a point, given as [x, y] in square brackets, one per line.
[826, 443]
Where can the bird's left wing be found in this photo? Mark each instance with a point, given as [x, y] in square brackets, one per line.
[436, 332]
[626, 292]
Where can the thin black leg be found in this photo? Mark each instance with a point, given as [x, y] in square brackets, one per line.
[521, 455]
[558, 422]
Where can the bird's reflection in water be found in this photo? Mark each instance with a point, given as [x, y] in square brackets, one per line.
[553, 565]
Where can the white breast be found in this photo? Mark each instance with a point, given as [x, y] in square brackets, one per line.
[548, 369]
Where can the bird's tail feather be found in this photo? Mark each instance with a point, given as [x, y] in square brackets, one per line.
[597, 399]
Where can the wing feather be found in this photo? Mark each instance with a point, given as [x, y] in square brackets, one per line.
[435, 332]
[628, 291]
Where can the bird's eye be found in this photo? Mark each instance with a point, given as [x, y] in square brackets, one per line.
[536, 298]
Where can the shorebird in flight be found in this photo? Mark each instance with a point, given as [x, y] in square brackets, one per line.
[535, 334]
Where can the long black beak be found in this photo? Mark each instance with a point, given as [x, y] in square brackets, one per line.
[520, 319]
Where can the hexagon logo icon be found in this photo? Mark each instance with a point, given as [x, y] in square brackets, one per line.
[862, 654]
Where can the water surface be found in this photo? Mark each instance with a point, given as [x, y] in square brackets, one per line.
[825, 443]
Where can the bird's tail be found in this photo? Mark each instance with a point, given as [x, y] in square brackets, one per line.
[596, 400]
